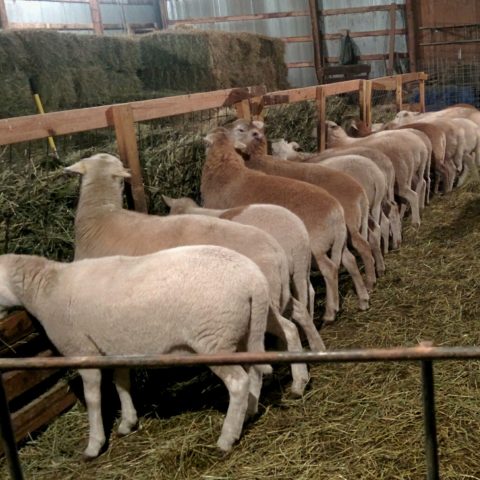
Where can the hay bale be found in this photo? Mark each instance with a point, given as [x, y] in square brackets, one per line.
[200, 60]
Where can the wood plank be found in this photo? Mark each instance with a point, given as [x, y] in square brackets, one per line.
[317, 43]
[17, 382]
[96, 17]
[14, 327]
[239, 18]
[421, 93]
[34, 127]
[348, 10]
[399, 94]
[42, 410]
[342, 87]
[391, 43]
[124, 123]
[369, 57]
[306, 38]
[3, 16]
[243, 110]
[411, 35]
[321, 101]
[300, 65]
[368, 33]
[290, 96]
[162, 4]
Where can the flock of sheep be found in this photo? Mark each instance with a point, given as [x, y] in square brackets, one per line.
[215, 278]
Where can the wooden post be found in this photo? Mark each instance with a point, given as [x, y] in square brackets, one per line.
[122, 118]
[391, 47]
[399, 93]
[163, 14]
[321, 113]
[317, 42]
[256, 108]
[3, 16]
[411, 35]
[96, 17]
[365, 101]
[421, 92]
[243, 109]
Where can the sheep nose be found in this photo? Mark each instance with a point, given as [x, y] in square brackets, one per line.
[257, 135]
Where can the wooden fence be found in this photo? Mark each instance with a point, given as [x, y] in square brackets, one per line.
[18, 336]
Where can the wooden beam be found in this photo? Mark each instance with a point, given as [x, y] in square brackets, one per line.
[3, 16]
[243, 110]
[300, 65]
[399, 94]
[42, 410]
[368, 33]
[96, 17]
[365, 101]
[391, 43]
[411, 35]
[421, 93]
[306, 38]
[14, 327]
[34, 127]
[240, 18]
[345, 11]
[124, 123]
[321, 101]
[317, 46]
[369, 57]
[163, 13]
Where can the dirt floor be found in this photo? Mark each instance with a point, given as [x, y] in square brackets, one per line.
[356, 421]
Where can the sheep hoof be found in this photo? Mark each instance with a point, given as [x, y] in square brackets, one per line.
[363, 304]
[225, 444]
[126, 428]
[90, 454]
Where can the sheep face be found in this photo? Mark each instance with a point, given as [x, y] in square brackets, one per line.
[404, 116]
[285, 150]
[248, 133]
[102, 163]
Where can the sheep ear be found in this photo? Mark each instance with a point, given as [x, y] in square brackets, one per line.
[295, 145]
[123, 174]
[78, 167]
[208, 139]
[258, 124]
[167, 200]
[239, 145]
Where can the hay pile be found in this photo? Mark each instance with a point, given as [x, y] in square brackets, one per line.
[199, 60]
[74, 71]
[356, 421]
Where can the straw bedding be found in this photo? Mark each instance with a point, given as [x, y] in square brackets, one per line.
[356, 421]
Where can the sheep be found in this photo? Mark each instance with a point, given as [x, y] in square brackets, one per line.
[284, 226]
[226, 182]
[390, 213]
[455, 137]
[103, 228]
[405, 151]
[346, 190]
[199, 299]
[366, 174]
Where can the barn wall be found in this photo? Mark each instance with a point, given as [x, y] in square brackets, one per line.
[67, 16]
[294, 27]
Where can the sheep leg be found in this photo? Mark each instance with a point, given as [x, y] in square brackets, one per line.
[91, 388]
[288, 332]
[469, 166]
[311, 298]
[300, 315]
[349, 262]
[254, 388]
[329, 271]
[121, 378]
[300, 284]
[237, 382]
[412, 198]
[365, 251]
[395, 225]
[385, 232]
[375, 240]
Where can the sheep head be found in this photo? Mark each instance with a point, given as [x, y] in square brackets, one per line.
[285, 150]
[404, 116]
[251, 134]
[335, 133]
[222, 136]
[103, 163]
[179, 205]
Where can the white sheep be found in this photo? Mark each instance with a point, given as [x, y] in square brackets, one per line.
[200, 299]
[291, 234]
[103, 228]
[227, 182]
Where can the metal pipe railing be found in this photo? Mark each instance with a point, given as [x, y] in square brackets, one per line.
[424, 353]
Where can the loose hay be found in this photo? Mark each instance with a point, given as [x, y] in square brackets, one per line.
[356, 421]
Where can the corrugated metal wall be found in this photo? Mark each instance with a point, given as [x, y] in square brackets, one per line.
[115, 14]
[299, 54]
